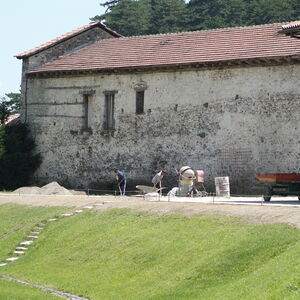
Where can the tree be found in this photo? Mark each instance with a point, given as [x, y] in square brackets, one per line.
[17, 161]
[10, 104]
[130, 17]
[273, 11]
[14, 102]
[127, 17]
[135, 17]
[4, 111]
[205, 14]
[167, 16]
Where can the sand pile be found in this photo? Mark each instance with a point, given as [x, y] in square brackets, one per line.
[52, 188]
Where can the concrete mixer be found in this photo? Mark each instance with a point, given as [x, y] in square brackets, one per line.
[191, 182]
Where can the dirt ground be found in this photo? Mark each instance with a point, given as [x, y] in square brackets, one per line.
[257, 214]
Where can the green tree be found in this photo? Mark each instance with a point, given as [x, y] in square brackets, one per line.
[17, 161]
[167, 16]
[127, 17]
[4, 111]
[205, 14]
[135, 17]
[10, 104]
[273, 11]
[14, 102]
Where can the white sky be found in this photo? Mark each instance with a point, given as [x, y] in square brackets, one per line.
[25, 24]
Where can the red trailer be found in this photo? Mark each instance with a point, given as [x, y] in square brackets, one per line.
[283, 184]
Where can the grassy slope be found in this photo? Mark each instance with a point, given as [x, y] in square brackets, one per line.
[130, 255]
[16, 221]
[15, 291]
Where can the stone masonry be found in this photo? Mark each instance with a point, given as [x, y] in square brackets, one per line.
[228, 122]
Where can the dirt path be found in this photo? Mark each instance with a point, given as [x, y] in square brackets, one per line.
[251, 213]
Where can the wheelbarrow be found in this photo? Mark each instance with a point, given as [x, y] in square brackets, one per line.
[283, 184]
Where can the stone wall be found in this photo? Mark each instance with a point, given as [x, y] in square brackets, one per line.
[228, 122]
[66, 47]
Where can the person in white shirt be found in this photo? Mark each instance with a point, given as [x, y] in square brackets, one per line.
[156, 180]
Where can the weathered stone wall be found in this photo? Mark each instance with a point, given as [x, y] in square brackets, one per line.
[66, 47]
[234, 122]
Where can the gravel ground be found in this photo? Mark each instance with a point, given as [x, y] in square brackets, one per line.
[257, 214]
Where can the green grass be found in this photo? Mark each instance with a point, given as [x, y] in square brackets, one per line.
[16, 222]
[16, 291]
[123, 254]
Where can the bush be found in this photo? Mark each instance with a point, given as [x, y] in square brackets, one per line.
[17, 162]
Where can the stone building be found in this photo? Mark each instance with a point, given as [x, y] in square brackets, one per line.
[226, 101]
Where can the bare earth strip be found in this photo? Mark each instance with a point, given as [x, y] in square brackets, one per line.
[257, 214]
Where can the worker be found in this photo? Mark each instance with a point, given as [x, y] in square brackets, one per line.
[156, 180]
[121, 178]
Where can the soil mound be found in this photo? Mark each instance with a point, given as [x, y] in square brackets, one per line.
[32, 190]
[52, 188]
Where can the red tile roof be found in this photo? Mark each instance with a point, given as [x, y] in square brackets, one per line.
[295, 24]
[220, 45]
[12, 120]
[64, 37]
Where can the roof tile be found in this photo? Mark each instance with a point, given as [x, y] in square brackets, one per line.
[66, 36]
[238, 43]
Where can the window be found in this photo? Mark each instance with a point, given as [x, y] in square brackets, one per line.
[140, 102]
[85, 111]
[86, 100]
[109, 121]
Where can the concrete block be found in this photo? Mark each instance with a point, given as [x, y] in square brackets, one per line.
[25, 243]
[67, 215]
[12, 258]
[21, 248]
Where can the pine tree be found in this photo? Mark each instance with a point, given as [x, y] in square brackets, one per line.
[167, 16]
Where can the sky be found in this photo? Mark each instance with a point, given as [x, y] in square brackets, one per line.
[25, 24]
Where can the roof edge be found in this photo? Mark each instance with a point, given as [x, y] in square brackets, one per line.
[67, 37]
[257, 61]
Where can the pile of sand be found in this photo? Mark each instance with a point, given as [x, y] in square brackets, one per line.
[52, 188]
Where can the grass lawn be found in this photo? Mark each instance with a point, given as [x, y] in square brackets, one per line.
[122, 254]
[15, 291]
[16, 222]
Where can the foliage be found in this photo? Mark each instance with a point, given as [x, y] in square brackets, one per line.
[14, 102]
[4, 111]
[135, 255]
[10, 104]
[128, 17]
[17, 161]
[217, 14]
[167, 16]
[135, 17]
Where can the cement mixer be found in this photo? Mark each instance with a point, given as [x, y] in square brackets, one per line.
[191, 182]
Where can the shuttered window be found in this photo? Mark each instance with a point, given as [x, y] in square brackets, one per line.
[140, 102]
[85, 111]
[109, 121]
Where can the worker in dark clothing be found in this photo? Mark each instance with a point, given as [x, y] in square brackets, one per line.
[121, 178]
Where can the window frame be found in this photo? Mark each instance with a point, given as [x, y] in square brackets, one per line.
[109, 110]
[140, 102]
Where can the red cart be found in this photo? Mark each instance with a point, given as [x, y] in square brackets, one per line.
[282, 184]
